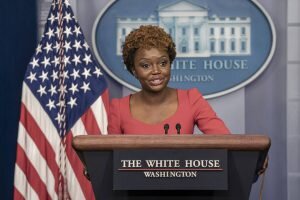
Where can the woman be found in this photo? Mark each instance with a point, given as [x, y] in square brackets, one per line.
[148, 53]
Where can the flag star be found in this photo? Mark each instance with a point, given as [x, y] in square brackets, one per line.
[42, 90]
[75, 74]
[53, 4]
[73, 88]
[86, 45]
[61, 103]
[77, 45]
[67, 46]
[39, 49]
[34, 63]
[87, 59]
[50, 104]
[31, 77]
[46, 62]
[55, 61]
[48, 47]
[56, 47]
[44, 76]
[59, 118]
[50, 33]
[66, 60]
[67, 17]
[72, 102]
[97, 72]
[85, 87]
[54, 75]
[52, 90]
[86, 73]
[51, 18]
[65, 74]
[77, 30]
[57, 15]
[58, 32]
[76, 59]
[63, 89]
[68, 31]
[67, 3]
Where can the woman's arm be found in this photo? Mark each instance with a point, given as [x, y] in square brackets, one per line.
[205, 117]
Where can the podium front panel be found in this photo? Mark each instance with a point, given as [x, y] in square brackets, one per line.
[166, 169]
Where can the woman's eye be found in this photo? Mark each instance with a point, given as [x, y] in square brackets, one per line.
[163, 63]
[145, 65]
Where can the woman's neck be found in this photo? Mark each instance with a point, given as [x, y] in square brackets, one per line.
[154, 98]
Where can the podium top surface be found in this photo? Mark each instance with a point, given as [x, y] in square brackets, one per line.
[231, 142]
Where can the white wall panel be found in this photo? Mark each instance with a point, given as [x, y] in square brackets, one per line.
[293, 48]
[293, 11]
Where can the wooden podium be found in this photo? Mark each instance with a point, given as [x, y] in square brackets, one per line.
[245, 156]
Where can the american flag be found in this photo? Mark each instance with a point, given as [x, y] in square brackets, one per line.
[64, 94]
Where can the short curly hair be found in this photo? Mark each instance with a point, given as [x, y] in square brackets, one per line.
[146, 37]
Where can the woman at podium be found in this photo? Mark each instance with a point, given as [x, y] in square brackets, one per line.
[148, 53]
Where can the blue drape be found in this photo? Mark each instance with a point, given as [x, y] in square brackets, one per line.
[18, 34]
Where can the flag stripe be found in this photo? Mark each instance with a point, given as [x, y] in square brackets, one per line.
[34, 180]
[34, 156]
[77, 167]
[99, 111]
[17, 194]
[21, 185]
[74, 188]
[78, 128]
[38, 114]
[76, 191]
[90, 122]
[41, 118]
[43, 146]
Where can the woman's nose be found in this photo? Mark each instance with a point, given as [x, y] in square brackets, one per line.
[156, 69]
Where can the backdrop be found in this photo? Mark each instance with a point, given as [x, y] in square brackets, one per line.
[263, 102]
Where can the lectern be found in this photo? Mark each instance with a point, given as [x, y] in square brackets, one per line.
[131, 167]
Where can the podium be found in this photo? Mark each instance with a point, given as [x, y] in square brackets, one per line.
[243, 156]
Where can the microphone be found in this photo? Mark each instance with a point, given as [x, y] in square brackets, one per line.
[178, 127]
[166, 127]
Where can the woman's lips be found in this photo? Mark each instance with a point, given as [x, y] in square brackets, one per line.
[156, 81]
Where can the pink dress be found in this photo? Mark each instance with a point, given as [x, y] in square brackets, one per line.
[192, 110]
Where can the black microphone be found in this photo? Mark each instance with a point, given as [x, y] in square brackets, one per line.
[178, 127]
[166, 127]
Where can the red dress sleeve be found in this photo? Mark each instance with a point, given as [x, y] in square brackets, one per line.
[114, 118]
[205, 117]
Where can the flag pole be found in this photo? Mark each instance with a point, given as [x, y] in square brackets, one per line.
[62, 184]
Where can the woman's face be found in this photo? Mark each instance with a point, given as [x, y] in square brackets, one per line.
[152, 68]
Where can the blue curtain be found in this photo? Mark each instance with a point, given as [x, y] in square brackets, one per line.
[18, 34]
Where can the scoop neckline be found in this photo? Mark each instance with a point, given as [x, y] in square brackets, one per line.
[159, 123]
